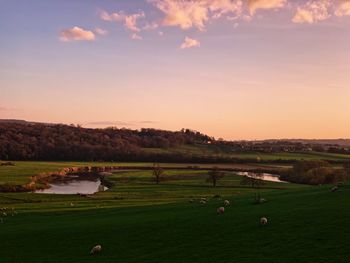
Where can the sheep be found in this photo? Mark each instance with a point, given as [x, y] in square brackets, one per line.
[263, 221]
[226, 203]
[191, 201]
[334, 189]
[203, 200]
[220, 210]
[96, 249]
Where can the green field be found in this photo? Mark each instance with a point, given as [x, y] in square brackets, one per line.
[22, 172]
[139, 221]
[226, 152]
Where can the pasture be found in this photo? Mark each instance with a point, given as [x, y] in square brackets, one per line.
[137, 220]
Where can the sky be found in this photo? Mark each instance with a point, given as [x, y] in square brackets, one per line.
[233, 69]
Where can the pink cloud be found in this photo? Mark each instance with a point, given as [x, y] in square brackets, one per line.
[130, 20]
[100, 31]
[189, 43]
[254, 5]
[343, 9]
[76, 33]
[312, 12]
[188, 14]
[135, 36]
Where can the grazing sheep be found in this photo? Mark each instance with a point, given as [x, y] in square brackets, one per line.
[202, 202]
[226, 202]
[220, 210]
[191, 201]
[96, 249]
[71, 204]
[263, 221]
[334, 189]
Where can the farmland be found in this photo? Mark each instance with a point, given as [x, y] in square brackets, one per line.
[137, 220]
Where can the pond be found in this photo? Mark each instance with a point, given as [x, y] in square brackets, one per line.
[74, 185]
[265, 176]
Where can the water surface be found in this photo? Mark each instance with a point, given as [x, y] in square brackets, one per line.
[74, 185]
[265, 176]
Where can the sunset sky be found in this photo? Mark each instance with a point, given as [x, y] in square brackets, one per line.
[236, 69]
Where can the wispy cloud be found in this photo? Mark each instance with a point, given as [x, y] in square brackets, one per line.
[188, 14]
[100, 31]
[312, 12]
[184, 14]
[189, 43]
[197, 14]
[130, 20]
[76, 34]
[254, 5]
[343, 9]
[136, 36]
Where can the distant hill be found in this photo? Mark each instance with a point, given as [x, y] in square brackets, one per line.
[340, 142]
[12, 121]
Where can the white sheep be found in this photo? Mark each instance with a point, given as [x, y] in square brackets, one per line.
[96, 249]
[263, 221]
[220, 210]
[226, 202]
[202, 202]
[334, 189]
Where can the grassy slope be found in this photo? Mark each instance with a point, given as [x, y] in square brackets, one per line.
[309, 224]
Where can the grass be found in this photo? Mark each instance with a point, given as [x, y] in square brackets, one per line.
[304, 224]
[220, 151]
[23, 170]
[139, 221]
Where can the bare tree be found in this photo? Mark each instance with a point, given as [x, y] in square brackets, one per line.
[215, 175]
[157, 172]
[255, 181]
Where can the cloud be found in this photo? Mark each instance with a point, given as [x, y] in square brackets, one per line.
[188, 14]
[182, 13]
[130, 20]
[224, 7]
[100, 31]
[189, 43]
[343, 9]
[135, 36]
[76, 33]
[312, 12]
[3, 109]
[254, 5]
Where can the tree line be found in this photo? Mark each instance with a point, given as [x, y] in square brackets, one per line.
[28, 141]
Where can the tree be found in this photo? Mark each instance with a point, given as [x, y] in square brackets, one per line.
[255, 181]
[346, 166]
[157, 172]
[215, 175]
